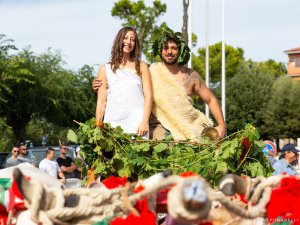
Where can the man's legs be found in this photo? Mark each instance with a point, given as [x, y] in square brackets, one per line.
[156, 129]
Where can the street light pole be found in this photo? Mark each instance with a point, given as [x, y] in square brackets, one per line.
[207, 51]
[223, 61]
[190, 32]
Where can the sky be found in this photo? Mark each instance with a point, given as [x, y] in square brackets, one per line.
[83, 30]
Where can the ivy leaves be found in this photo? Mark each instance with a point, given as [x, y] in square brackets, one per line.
[109, 151]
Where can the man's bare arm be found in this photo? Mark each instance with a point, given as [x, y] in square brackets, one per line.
[210, 99]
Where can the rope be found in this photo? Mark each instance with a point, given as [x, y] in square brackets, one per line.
[116, 202]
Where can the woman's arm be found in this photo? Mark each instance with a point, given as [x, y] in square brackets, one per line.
[148, 98]
[102, 94]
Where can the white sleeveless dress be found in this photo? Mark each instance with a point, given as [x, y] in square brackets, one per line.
[125, 99]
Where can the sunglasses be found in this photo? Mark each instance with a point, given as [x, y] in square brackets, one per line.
[65, 148]
[17, 151]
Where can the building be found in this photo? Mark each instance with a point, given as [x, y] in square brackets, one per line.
[294, 63]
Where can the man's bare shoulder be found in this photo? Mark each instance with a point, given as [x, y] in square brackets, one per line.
[192, 74]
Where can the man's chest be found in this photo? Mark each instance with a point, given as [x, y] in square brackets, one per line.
[186, 82]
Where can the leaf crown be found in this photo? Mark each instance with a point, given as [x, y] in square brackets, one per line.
[165, 34]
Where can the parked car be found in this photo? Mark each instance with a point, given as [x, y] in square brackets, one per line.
[3, 157]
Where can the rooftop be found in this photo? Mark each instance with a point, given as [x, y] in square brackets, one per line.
[293, 51]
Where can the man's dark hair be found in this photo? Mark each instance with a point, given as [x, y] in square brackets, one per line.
[49, 150]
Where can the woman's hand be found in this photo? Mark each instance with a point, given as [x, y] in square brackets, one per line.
[142, 129]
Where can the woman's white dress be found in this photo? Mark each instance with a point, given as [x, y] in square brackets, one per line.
[125, 99]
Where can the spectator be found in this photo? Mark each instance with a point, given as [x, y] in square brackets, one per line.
[48, 165]
[23, 156]
[286, 162]
[66, 164]
[13, 160]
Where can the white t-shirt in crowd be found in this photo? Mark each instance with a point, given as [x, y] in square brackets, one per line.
[50, 167]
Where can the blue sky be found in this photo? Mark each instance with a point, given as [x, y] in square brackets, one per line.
[84, 29]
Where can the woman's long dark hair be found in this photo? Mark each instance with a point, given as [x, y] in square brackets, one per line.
[117, 50]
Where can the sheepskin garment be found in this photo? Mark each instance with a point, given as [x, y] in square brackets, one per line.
[173, 108]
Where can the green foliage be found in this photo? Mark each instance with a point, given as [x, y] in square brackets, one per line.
[247, 95]
[234, 57]
[109, 151]
[38, 89]
[143, 18]
[165, 34]
[6, 137]
[12, 70]
[282, 111]
[272, 68]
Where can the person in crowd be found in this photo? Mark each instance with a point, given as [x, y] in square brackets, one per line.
[23, 156]
[13, 159]
[173, 87]
[50, 166]
[66, 163]
[286, 163]
[125, 98]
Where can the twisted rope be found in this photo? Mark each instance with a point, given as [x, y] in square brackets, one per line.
[116, 202]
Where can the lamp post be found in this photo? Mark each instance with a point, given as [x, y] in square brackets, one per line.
[223, 61]
[207, 51]
[190, 32]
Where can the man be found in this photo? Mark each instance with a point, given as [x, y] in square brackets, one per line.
[48, 165]
[23, 156]
[65, 163]
[288, 157]
[173, 87]
[13, 160]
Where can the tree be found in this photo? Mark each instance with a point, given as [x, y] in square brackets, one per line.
[141, 17]
[282, 112]
[272, 68]
[234, 58]
[11, 69]
[247, 97]
[53, 94]
[186, 4]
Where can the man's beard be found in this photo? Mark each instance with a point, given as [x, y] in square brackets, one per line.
[171, 62]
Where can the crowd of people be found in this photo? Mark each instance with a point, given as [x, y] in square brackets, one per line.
[62, 167]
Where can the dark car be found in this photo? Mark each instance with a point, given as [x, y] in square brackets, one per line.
[3, 157]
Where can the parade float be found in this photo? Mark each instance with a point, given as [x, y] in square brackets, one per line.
[129, 180]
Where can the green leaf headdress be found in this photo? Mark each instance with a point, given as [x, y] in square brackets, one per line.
[165, 34]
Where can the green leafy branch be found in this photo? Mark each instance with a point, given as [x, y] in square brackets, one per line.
[110, 151]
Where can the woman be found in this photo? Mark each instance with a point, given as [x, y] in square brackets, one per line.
[125, 96]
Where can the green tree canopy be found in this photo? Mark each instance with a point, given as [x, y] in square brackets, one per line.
[282, 116]
[247, 96]
[47, 91]
[234, 58]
